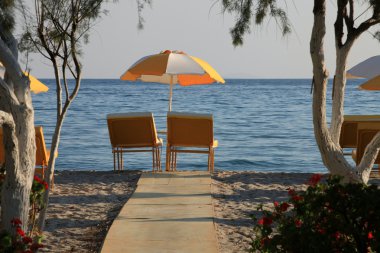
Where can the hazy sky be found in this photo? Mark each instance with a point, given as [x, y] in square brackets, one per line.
[196, 28]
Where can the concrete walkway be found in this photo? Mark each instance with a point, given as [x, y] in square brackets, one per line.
[169, 212]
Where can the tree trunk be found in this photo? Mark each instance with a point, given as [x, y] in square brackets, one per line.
[55, 143]
[19, 144]
[18, 137]
[339, 87]
[331, 153]
[50, 170]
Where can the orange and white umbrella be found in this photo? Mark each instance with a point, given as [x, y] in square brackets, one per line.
[369, 69]
[172, 67]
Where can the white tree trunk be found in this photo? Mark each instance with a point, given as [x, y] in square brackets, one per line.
[18, 137]
[331, 153]
[339, 87]
[19, 144]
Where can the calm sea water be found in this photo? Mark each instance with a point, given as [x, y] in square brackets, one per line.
[262, 125]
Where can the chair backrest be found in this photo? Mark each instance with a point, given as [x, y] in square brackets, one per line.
[41, 154]
[366, 132]
[349, 131]
[190, 129]
[135, 129]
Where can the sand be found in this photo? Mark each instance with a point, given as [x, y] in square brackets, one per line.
[236, 196]
[84, 204]
[82, 207]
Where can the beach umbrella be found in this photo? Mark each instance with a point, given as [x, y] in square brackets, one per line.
[36, 86]
[369, 69]
[172, 67]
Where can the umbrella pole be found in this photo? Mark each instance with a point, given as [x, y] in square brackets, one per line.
[171, 93]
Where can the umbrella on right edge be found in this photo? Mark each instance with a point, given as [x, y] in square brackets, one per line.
[369, 69]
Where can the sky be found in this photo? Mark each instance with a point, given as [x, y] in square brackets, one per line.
[201, 29]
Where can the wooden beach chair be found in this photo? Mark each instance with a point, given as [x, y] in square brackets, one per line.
[365, 134]
[134, 132]
[186, 131]
[42, 154]
[348, 134]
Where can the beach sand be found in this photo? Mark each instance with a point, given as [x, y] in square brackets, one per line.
[82, 207]
[236, 196]
[84, 204]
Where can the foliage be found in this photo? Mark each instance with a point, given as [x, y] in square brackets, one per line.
[7, 14]
[259, 9]
[328, 217]
[140, 7]
[58, 26]
[36, 202]
[19, 242]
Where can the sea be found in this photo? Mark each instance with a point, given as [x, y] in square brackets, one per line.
[261, 124]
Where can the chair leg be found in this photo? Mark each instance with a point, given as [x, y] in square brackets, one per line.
[171, 159]
[212, 160]
[114, 159]
[153, 159]
[167, 165]
[159, 152]
[122, 161]
[156, 159]
[209, 160]
[174, 161]
[117, 159]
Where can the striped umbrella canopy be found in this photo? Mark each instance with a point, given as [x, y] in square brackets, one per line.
[172, 67]
[36, 85]
[369, 69]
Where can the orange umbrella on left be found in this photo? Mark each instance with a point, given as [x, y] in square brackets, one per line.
[36, 85]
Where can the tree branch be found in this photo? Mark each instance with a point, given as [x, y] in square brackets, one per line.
[339, 22]
[366, 25]
[369, 157]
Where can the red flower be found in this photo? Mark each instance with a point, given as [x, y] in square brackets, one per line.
[370, 235]
[297, 198]
[298, 223]
[314, 180]
[265, 221]
[37, 179]
[20, 232]
[291, 192]
[337, 235]
[264, 240]
[36, 246]
[321, 231]
[275, 204]
[27, 240]
[46, 185]
[284, 206]
[16, 221]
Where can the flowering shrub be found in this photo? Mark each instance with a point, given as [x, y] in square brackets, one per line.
[19, 242]
[329, 217]
[36, 201]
